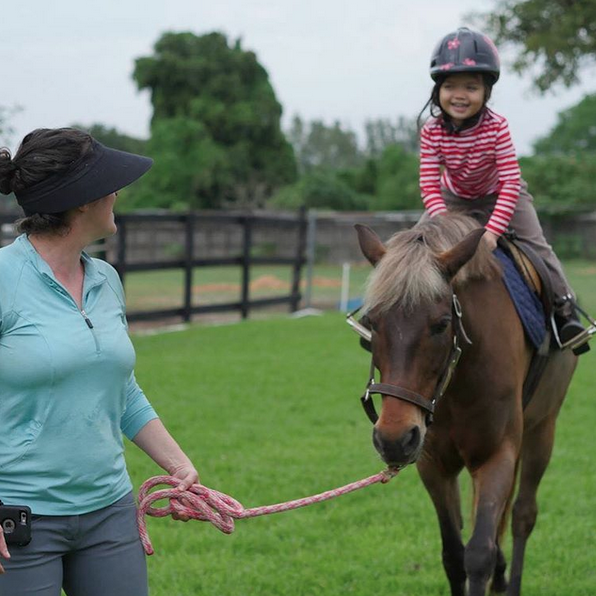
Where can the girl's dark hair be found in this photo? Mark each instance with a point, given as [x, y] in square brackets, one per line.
[434, 105]
[42, 153]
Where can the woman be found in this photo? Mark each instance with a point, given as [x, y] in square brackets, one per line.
[67, 386]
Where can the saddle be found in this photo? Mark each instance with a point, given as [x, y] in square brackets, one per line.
[532, 268]
[538, 321]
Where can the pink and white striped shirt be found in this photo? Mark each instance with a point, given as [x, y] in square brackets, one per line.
[475, 162]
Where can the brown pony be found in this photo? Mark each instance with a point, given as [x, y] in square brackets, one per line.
[479, 422]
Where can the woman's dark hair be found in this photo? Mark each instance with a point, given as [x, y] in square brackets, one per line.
[44, 223]
[42, 153]
[434, 105]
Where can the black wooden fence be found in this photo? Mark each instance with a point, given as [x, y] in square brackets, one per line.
[189, 260]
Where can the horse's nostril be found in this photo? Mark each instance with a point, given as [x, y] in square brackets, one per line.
[399, 450]
[378, 444]
[411, 441]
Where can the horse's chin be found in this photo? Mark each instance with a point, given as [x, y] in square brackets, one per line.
[412, 459]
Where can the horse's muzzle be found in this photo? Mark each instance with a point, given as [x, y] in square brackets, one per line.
[401, 450]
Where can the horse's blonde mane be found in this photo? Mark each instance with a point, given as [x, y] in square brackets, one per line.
[409, 274]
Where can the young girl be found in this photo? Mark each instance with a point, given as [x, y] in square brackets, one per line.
[468, 161]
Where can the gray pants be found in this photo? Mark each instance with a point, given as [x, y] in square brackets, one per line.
[95, 554]
[527, 227]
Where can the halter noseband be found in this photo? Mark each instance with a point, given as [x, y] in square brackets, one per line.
[425, 404]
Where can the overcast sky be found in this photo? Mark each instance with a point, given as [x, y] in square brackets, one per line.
[66, 61]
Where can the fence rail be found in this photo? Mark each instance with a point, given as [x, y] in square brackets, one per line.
[117, 253]
[207, 239]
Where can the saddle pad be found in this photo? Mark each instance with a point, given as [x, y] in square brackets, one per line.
[527, 304]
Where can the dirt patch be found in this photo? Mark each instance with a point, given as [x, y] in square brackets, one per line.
[326, 282]
[269, 282]
[588, 271]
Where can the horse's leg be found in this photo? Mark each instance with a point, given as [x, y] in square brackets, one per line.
[499, 583]
[536, 452]
[493, 483]
[443, 489]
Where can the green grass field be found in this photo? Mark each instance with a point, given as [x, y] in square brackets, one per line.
[269, 411]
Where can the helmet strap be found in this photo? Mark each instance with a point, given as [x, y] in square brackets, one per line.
[451, 128]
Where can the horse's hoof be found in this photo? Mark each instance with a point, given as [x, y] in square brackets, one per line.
[499, 586]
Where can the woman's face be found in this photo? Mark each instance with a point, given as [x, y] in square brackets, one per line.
[462, 96]
[101, 216]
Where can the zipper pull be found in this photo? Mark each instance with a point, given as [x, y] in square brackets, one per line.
[87, 320]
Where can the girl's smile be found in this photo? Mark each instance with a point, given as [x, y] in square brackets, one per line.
[462, 96]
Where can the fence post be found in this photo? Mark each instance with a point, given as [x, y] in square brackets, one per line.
[188, 253]
[345, 287]
[311, 244]
[246, 250]
[302, 227]
[102, 252]
[121, 255]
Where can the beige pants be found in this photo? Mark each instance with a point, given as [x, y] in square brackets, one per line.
[526, 225]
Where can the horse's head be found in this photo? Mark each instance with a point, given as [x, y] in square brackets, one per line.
[409, 307]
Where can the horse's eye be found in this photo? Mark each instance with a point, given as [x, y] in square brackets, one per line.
[440, 327]
[370, 323]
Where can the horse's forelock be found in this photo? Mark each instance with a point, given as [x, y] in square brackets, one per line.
[408, 274]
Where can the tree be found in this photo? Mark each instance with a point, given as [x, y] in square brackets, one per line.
[191, 163]
[397, 181]
[556, 37]
[319, 189]
[217, 99]
[575, 131]
[114, 138]
[317, 145]
[562, 170]
[388, 183]
[382, 133]
[561, 182]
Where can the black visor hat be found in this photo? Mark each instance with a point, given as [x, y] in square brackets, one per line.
[100, 172]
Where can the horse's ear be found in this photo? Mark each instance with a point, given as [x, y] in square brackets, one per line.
[370, 244]
[452, 260]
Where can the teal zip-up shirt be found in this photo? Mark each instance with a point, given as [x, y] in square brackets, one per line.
[67, 387]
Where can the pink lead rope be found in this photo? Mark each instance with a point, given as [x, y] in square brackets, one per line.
[220, 509]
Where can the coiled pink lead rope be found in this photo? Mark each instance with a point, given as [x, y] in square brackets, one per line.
[221, 509]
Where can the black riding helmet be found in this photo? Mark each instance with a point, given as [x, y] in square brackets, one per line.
[465, 50]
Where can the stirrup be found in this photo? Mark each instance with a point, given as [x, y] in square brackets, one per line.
[581, 338]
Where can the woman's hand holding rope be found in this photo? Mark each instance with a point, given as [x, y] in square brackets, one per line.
[205, 504]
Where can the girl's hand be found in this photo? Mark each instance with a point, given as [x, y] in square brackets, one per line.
[3, 550]
[490, 239]
[188, 476]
